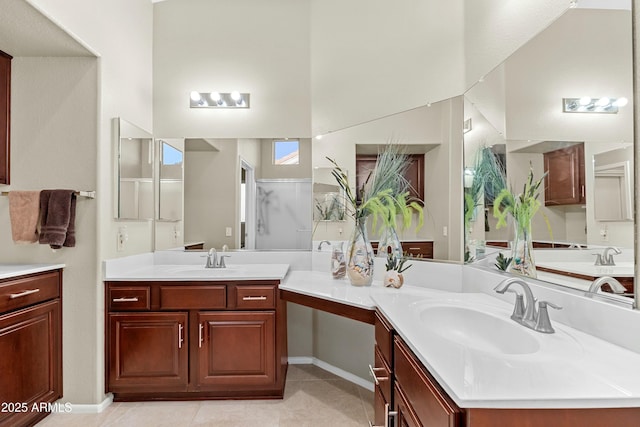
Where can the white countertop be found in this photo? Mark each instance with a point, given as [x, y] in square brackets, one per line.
[622, 269]
[192, 272]
[8, 271]
[321, 285]
[570, 369]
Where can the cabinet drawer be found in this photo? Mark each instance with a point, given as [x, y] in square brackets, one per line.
[382, 373]
[384, 338]
[196, 297]
[418, 249]
[256, 297]
[129, 298]
[25, 291]
[423, 394]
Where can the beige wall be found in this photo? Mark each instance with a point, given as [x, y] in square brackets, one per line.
[210, 201]
[251, 46]
[53, 145]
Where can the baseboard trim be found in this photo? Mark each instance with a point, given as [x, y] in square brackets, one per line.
[333, 369]
[82, 408]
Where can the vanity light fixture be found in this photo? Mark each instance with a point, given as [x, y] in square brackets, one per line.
[233, 99]
[587, 104]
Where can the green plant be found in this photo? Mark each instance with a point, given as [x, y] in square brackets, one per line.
[488, 181]
[396, 263]
[502, 262]
[384, 193]
[521, 206]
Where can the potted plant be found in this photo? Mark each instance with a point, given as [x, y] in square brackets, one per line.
[521, 207]
[380, 198]
[395, 267]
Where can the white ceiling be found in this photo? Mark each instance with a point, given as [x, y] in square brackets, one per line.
[24, 31]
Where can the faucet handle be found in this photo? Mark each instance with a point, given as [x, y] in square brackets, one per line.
[543, 324]
[598, 259]
[518, 307]
[221, 263]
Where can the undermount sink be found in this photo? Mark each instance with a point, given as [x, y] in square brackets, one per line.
[200, 269]
[476, 329]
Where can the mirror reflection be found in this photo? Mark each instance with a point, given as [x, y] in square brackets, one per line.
[170, 185]
[516, 112]
[135, 161]
[248, 193]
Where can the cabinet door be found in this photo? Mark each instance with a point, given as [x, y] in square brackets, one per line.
[148, 351]
[30, 361]
[236, 349]
[564, 184]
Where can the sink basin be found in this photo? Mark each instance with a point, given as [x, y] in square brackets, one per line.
[482, 331]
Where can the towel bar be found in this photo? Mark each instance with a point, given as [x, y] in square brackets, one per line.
[87, 194]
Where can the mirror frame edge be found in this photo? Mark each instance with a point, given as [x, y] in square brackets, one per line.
[636, 150]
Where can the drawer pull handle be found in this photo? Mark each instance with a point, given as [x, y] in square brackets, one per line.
[200, 334]
[260, 298]
[24, 293]
[180, 339]
[414, 249]
[125, 299]
[377, 379]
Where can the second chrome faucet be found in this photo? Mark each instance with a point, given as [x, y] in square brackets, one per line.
[527, 314]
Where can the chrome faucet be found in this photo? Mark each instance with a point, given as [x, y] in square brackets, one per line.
[213, 261]
[614, 284]
[320, 244]
[606, 258]
[529, 316]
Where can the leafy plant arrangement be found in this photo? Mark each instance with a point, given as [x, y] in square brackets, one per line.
[396, 263]
[384, 193]
[488, 181]
[395, 267]
[522, 207]
[330, 209]
[502, 262]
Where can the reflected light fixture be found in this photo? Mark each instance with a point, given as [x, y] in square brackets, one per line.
[233, 99]
[587, 104]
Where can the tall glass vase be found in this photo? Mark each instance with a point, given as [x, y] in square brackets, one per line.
[360, 256]
[389, 243]
[523, 262]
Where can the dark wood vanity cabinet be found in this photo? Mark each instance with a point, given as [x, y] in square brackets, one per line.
[564, 183]
[417, 399]
[180, 340]
[30, 347]
[5, 115]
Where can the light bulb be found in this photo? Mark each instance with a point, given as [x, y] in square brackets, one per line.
[318, 137]
[195, 96]
[603, 102]
[621, 102]
[235, 95]
[215, 96]
[585, 100]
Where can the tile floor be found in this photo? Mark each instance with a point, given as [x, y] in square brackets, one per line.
[313, 398]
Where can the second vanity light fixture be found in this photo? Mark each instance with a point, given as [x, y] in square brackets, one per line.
[587, 104]
[233, 99]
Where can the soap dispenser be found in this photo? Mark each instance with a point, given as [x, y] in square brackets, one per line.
[338, 263]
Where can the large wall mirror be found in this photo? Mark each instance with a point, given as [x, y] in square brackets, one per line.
[134, 151]
[516, 112]
[239, 194]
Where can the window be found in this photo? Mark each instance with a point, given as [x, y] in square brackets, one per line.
[286, 152]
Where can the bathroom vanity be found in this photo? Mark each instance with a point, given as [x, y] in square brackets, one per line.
[186, 332]
[30, 342]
